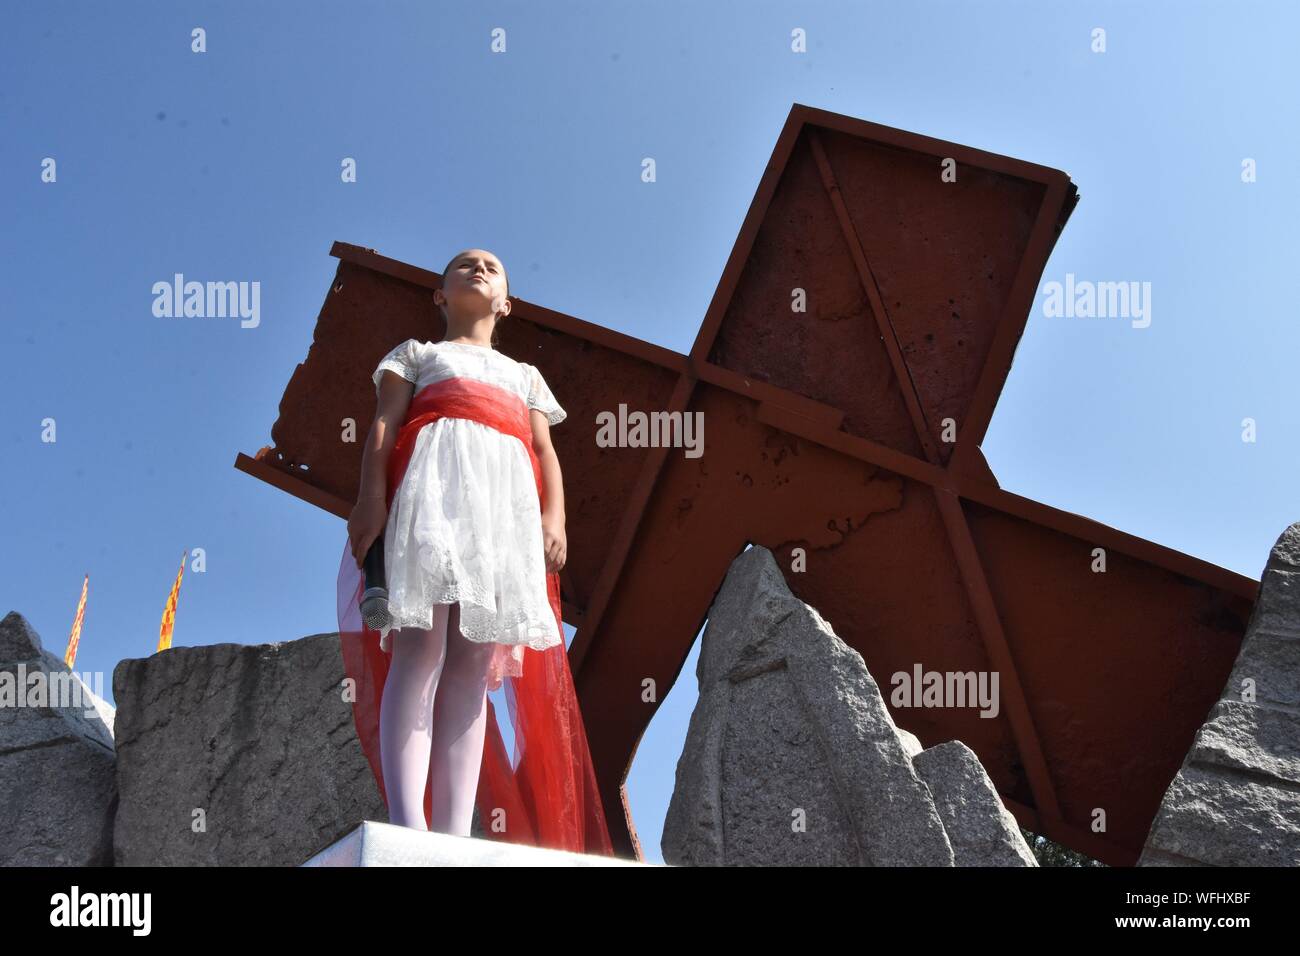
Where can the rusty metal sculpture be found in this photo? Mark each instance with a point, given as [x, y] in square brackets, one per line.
[829, 431]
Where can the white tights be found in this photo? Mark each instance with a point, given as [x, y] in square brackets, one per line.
[432, 720]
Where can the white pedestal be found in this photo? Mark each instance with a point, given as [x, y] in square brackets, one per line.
[383, 844]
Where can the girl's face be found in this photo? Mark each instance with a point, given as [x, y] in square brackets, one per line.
[475, 285]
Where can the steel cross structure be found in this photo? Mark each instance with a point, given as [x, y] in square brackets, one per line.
[848, 435]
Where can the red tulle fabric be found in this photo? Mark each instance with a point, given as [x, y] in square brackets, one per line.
[548, 797]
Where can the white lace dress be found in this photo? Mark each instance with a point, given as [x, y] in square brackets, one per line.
[465, 524]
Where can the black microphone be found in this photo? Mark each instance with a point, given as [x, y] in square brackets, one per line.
[374, 601]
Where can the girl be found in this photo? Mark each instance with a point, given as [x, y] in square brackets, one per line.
[460, 477]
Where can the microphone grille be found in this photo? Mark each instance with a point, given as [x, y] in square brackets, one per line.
[374, 611]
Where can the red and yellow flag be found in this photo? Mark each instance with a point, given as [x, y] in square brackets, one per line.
[169, 612]
[70, 655]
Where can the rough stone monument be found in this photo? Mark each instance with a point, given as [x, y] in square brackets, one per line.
[792, 757]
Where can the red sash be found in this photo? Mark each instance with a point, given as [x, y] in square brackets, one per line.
[549, 797]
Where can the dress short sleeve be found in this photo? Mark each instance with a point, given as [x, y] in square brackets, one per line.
[401, 360]
[540, 397]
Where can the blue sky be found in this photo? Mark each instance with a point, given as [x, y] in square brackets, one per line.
[225, 165]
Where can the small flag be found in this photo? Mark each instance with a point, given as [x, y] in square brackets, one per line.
[70, 655]
[169, 612]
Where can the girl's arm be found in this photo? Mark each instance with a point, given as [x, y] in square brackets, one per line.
[394, 399]
[370, 514]
[553, 536]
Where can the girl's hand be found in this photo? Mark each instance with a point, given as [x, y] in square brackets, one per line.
[554, 544]
[367, 522]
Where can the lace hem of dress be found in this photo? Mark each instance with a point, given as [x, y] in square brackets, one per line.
[421, 616]
[482, 625]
